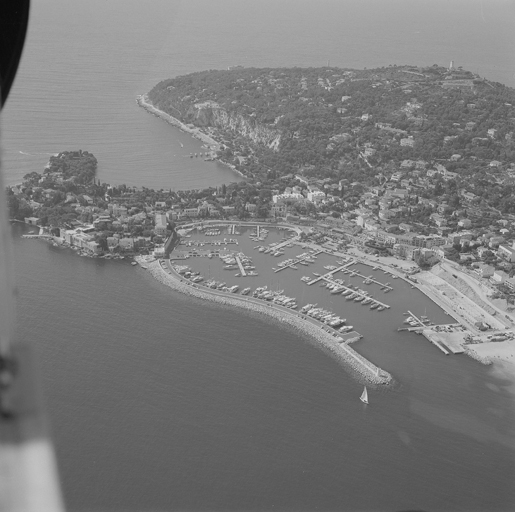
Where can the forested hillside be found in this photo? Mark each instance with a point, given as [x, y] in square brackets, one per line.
[286, 119]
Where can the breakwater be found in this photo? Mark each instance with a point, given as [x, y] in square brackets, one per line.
[363, 369]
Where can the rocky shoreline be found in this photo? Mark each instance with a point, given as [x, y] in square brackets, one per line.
[144, 102]
[364, 371]
[469, 350]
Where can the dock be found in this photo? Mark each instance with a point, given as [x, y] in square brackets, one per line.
[295, 261]
[242, 269]
[417, 319]
[328, 278]
[435, 341]
[442, 339]
[368, 280]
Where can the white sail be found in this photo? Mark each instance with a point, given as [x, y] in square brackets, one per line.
[364, 396]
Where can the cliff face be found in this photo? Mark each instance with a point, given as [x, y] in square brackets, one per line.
[209, 114]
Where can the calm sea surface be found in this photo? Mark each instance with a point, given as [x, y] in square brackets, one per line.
[161, 402]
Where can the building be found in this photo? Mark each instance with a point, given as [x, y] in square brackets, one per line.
[288, 198]
[499, 277]
[161, 225]
[33, 221]
[317, 196]
[507, 253]
[484, 270]
[189, 212]
[408, 141]
[126, 244]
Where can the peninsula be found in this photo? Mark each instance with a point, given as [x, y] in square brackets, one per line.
[414, 166]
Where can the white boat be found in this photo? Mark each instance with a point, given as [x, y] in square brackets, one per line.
[364, 396]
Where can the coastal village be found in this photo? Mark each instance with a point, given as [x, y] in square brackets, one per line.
[417, 216]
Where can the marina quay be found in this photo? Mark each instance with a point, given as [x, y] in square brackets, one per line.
[327, 294]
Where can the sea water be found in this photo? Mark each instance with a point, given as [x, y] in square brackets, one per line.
[162, 402]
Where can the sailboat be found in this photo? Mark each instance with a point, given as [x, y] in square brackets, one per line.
[364, 396]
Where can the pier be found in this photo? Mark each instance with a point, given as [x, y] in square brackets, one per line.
[439, 335]
[242, 269]
[368, 280]
[284, 243]
[436, 342]
[295, 261]
[417, 319]
[328, 278]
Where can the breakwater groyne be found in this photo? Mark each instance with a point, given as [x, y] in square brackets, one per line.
[364, 370]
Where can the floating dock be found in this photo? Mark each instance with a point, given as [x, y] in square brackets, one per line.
[295, 261]
[242, 269]
[328, 278]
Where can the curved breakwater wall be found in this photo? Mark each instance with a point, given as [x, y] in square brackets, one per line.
[359, 366]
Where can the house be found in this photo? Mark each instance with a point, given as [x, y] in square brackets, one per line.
[405, 227]
[444, 250]
[126, 244]
[33, 221]
[482, 250]
[469, 196]
[495, 241]
[399, 192]
[507, 253]
[484, 270]
[112, 242]
[465, 223]
[408, 141]
[499, 277]
[278, 209]
[316, 196]
[407, 164]
[229, 210]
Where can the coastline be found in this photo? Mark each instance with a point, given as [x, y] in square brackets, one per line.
[499, 355]
[143, 101]
[364, 371]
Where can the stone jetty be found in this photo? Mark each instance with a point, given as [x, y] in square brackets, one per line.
[364, 370]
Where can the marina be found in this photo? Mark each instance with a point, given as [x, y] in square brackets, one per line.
[337, 308]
